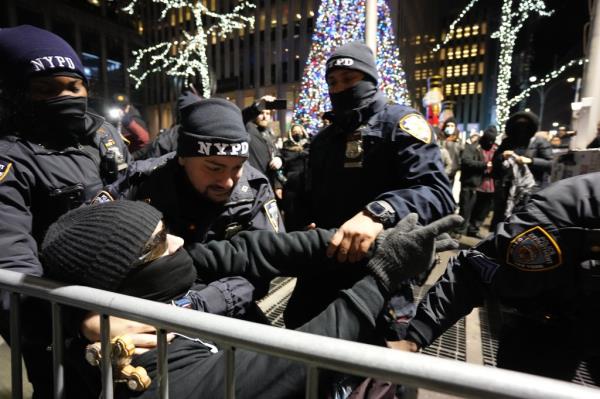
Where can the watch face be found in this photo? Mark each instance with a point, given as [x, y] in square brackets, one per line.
[376, 208]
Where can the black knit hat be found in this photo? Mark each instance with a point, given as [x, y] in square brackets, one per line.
[96, 245]
[354, 55]
[212, 127]
[527, 121]
[28, 51]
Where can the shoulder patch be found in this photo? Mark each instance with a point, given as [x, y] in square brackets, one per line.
[272, 214]
[534, 250]
[416, 126]
[5, 168]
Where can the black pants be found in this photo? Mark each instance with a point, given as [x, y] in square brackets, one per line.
[466, 203]
[484, 202]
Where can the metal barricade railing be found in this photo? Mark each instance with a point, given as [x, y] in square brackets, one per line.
[316, 352]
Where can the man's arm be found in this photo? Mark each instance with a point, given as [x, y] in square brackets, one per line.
[452, 297]
[260, 255]
[423, 188]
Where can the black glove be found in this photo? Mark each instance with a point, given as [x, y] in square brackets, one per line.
[407, 250]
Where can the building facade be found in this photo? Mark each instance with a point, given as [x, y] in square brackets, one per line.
[466, 63]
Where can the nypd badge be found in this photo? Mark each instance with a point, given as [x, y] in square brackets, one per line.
[353, 156]
[534, 250]
[4, 169]
[272, 214]
[416, 126]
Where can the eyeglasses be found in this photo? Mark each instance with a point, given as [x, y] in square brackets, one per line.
[154, 248]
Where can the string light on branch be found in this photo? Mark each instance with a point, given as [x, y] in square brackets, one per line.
[186, 57]
[339, 22]
[545, 80]
[511, 23]
[452, 27]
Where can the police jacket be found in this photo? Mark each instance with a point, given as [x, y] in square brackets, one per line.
[40, 182]
[251, 206]
[542, 263]
[391, 156]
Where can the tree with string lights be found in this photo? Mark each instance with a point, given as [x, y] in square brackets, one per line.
[512, 20]
[186, 57]
[339, 22]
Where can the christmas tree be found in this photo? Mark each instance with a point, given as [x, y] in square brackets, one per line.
[339, 22]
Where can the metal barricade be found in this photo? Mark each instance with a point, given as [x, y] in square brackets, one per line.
[316, 352]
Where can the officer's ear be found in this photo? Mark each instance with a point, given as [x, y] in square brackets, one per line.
[181, 161]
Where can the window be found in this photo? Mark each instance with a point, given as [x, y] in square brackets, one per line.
[443, 54]
[471, 87]
[463, 89]
[472, 69]
[456, 70]
[473, 50]
[482, 49]
[450, 53]
[475, 30]
[464, 69]
[448, 89]
[418, 75]
[449, 72]
[465, 51]
[459, 33]
[418, 59]
[467, 31]
[481, 68]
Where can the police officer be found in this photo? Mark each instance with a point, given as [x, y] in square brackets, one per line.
[209, 192]
[373, 165]
[54, 156]
[542, 266]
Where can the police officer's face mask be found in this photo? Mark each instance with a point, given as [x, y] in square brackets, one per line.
[64, 115]
[353, 98]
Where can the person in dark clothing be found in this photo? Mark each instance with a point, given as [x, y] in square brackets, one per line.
[375, 164]
[484, 198]
[451, 142]
[541, 266]
[472, 168]
[539, 159]
[54, 156]
[136, 259]
[209, 192]
[295, 156]
[264, 155]
[166, 141]
[596, 141]
[509, 156]
[133, 128]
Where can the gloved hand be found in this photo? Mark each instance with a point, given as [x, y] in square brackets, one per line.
[406, 250]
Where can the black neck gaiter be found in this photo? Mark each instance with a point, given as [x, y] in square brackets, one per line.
[163, 279]
[62, 117]
[353, 98]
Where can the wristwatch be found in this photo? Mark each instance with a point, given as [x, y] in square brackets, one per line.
[382, 212]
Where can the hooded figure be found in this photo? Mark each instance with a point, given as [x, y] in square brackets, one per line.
[510, 164]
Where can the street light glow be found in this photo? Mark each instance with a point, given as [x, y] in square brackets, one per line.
[570, 79]
[533, 79]
[555, 124]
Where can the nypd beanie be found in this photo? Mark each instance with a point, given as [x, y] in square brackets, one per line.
[27, 51]
[212, 127]
[354, 55]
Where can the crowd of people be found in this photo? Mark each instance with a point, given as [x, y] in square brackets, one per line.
[207, 213]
